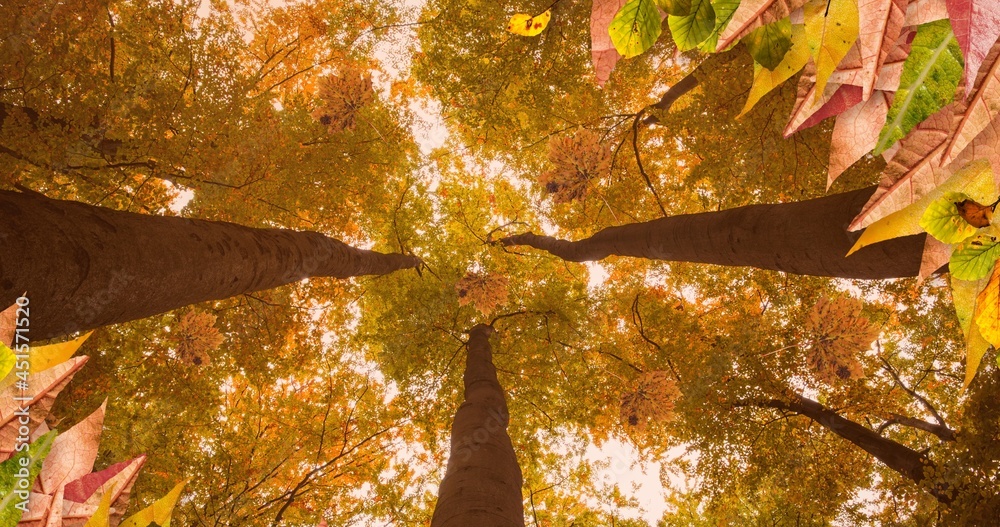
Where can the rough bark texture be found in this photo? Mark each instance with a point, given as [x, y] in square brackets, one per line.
[84, 266]
[482, 485]
[806, 237]
[908, 462]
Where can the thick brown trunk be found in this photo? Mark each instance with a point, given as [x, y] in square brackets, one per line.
[482, 485]
[806, 237]
[84, 266]
[908, 462]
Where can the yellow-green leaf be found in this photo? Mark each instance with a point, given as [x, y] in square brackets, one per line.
[974, 179]
[7, 360]
[975, 348]
[102, 516]
[987, 320]
[768, 44]
[963, 296]
[527, 25]
[675, 7]
[159, 512]
[930, 75]
[765, 80]
[45, 357]
[943, 220]
[635, 28]
[974, 259]
[831, 30]
[724, 10]
[693, 29]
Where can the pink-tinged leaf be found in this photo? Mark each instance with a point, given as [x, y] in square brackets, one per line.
[752, 14]
[38, 510]
[983, 107]
[602, 49]
[887, 79]
[855, 134]
[881, 26]
[976, 24]
[84, 495]
[924, 11]
[42, 390]
[55, 518]
[73, 453]
[8, 323]
[813, 111]
[936, 255]
[914, 170]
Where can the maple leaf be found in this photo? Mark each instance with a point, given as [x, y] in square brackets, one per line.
[73, 453]
[855, 133]
[653, 399]
[976, 24]
[881, 24]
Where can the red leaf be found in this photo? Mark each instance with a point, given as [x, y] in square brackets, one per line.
[856, 133]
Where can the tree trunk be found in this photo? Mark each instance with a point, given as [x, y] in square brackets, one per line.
[84, 266]
[482, 485]
[806, 237]
[908, 462]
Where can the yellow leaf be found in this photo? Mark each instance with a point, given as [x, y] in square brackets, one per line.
[159, 512]
[528, 26]
[975, 180]
[45, 357]
[102, 516]
[987, 326]
[765, 80]
[831, 30]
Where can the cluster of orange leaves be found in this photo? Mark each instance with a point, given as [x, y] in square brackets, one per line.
[577, 160]
[196, 335]
[485, 291]
[838, 334]
[341, 96]
[652, 400]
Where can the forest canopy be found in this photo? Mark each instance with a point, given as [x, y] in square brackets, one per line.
[286, 261]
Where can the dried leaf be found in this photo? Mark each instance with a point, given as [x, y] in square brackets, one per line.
[881, 26]
[981, 110]
[855, 134]
[602, 50]
[976, 24]
[73, 453]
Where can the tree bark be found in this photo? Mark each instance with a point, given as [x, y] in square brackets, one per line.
[908, 462]
[806, 237]
[84, 266]
[482, 485]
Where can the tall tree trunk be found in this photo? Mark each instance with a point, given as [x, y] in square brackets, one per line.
[482, 485]
[84, 266]
[806, 237]
[908, 462]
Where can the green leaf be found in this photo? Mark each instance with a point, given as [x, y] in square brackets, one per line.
[695, 28]
[724, 10]
[675, 7]
[930, 75]
[943, 221]
[768, 44]
[635, 28]
[7, 360]
[974, 259]
[974, 179]
[17, 477]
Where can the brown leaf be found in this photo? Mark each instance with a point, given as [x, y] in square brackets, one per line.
[653, 400]
[83, 496]
[838, 333]
[42, 390]
[855, 134]
[602, 50]
[73, 453]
